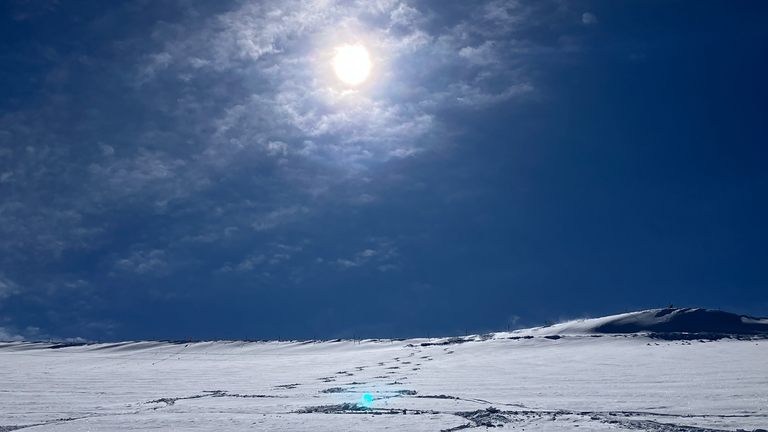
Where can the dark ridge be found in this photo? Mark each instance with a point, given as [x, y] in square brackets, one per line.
[67, 345]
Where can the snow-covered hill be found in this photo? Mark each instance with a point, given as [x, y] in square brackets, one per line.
[570, 376]
[667, 320]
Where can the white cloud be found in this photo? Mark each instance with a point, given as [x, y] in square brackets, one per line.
[388, 267]
[278, 217]
[144, 262]
[405, 16]
[481, 55]
[277, 253]
[106, 150]
[496, 18]
[8, 287]
[288, 248]
[250, 262]
[76, 284]
[277, 258]
[152, 172]
[467, 95]
[347, 263]
[589, 18]
[277, 147]
[384, 251]
[156, 62]
[10, 335]
[365, 198]
[202, 238]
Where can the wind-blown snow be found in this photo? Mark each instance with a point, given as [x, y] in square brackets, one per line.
[533, 379]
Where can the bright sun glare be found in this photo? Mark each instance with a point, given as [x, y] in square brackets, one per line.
[352, 64]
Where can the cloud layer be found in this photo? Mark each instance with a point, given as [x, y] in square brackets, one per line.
[142, 157]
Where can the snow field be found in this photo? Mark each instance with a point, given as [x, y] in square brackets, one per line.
[611, 382]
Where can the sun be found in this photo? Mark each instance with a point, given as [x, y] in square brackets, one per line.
[352, 64]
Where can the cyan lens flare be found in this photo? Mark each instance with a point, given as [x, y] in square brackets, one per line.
[366, 401]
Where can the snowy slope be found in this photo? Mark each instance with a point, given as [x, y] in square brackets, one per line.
[575, 379]
[663, 321]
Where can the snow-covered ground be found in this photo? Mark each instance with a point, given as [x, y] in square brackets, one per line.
[561, 378]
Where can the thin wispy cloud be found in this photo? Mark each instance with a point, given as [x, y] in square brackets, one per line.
[589, 18]
[301, 110]
[7, 287]
[199, 144]
[284, 110]
[383, 253]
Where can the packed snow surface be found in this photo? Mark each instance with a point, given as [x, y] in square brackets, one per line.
[626, 372]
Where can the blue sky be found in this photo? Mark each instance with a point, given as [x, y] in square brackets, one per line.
[183, 168]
